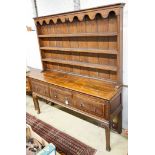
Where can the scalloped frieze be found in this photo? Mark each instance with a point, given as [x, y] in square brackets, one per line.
[79, 15]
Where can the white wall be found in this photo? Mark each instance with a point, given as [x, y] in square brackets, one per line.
[32, 48]
[46, 7]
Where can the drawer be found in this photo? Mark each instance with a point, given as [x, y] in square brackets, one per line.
[61, 95]
[89, 104]
[40, 87]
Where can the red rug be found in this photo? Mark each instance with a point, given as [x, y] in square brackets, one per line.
[65, 144]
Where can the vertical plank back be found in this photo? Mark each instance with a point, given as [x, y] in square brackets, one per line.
[66, 43]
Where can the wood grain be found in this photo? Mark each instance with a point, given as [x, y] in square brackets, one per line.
[81, 50]
[74, 34]
[88, 86]
[83, 64]
[81, 54]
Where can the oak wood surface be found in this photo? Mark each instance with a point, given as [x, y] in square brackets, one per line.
[85, 85]
[86, 50]
[79, 35]
[76, 63]
[74, 54]
[81, 55]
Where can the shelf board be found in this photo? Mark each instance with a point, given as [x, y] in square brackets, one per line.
[102, 34]
[82, 50]
[82, 64]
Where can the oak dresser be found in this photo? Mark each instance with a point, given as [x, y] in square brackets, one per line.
[81, 55]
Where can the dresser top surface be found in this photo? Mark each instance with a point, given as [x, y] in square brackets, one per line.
[88, 86]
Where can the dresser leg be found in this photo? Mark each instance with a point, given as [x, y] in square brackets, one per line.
[36, 103]
[107, 134]
[120, 122]
[52, 103]
[47, 102]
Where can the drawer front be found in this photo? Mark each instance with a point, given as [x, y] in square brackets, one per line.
[89, 104]
[61, 95]
[40, 87]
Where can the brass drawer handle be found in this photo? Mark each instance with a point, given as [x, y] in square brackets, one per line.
[81, 105]
[55, 96]
[66, 101]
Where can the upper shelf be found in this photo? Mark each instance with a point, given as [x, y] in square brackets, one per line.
[102, 34]
[82, 64]
[82, 50]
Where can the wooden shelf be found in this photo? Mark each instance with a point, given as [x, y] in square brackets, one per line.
[82, 50]
[82, 64]
[102, 34]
